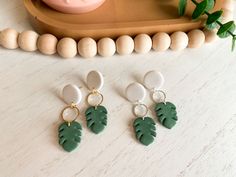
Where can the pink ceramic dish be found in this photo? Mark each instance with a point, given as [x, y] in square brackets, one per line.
[74, 6]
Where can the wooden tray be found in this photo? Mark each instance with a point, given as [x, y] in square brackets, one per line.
[114, 18]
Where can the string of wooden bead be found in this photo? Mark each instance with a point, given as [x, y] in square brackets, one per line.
[48, 44]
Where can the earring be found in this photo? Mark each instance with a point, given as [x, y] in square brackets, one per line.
[144, 126]
[165, 111]
[96, 114]
[70, 130]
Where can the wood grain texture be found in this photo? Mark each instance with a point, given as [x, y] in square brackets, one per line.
[200, 82]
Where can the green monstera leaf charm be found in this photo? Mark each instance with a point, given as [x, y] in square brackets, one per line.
[96, 118]
[69, 135]
[145, 130]
[166, 113]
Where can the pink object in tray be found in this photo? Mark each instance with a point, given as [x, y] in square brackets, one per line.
[74, 6]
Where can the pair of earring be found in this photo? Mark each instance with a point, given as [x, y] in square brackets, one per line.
[145, 126]
[70, 131]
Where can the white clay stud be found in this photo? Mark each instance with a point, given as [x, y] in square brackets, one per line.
[71, 94]
[8, 38]
[135, 92]
[153, 80]
[95, 80]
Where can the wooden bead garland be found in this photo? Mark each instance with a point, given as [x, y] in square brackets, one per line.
[196, 38]
[67, 48]
[106, 47]
[179, 41]
[161, 42]
[8, 38]
[47, 44]
[142, 43]
[87, 47]
[27, 41]
[124, 45]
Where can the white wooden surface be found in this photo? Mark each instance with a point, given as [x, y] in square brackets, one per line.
[200, 82]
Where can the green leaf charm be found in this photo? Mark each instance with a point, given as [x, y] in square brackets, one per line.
[96, 118]
[166, 113]
[69, 135]
[145, 130]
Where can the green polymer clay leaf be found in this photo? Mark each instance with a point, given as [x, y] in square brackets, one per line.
[96, 118]
[69, 135]
[200, 9]
[225, 29]
[145, 130]
[166, 113]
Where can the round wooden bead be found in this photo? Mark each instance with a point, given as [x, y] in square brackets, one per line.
[142, 43]
[71, 94]
[161, 41]
[210, 35]
[135, 92]
[8, 38]
[228, 4]
[124, 45]
[106, 47]
[179, 41]
[227, 15]
[27, 40]
[87, 47]
[67, 47]
[196, 38]
[47, 44]
[95, 80]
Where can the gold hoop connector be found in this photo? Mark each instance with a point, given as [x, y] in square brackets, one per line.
[74, 107]
[95, 93]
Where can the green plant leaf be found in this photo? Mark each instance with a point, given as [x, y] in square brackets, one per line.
[182, 7]
[212, 19]
[224, 30]
[96, 118]
[166, 113]
[69, 135]
[210, 5]
[145, 130]
[200, 9]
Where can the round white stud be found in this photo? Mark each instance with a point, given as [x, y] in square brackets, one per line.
[135, 92]
[87, 47]
[8, 38]
[161, 42]
[124, 45]
[95, 80]
[179, 40]
[71, 94]
[142, 43]
[153, 80]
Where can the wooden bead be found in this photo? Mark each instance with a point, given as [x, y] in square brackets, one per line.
[47, 44]
[179, 41]
[87, 47]
[27, 41]
[227, 15]
[142, 43]
[67, 47]
[196, 38]
[106, 47]
[8, 38]
[228, 4]
[161, 42]
[124, 45]
[210, 35]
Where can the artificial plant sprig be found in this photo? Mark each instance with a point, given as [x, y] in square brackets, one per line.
[213, 19]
